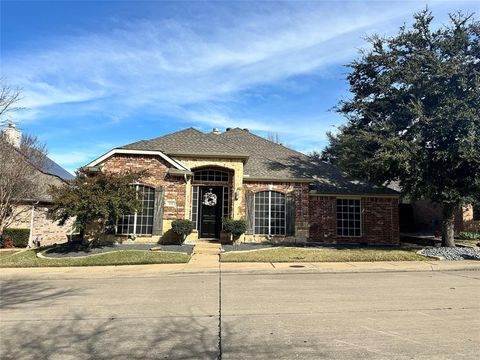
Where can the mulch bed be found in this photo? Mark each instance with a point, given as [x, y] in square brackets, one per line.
[76, 250]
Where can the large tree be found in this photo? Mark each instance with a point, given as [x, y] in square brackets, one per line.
[414, 114]
[95, 199]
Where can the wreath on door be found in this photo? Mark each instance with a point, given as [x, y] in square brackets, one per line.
[209, 199]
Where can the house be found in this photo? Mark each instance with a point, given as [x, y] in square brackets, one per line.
[281, 193]
[31, 211]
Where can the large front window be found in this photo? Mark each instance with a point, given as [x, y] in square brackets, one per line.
[269, 215]
[348, 217]
[140, 223]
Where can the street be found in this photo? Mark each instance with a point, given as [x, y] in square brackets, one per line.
[401, 315]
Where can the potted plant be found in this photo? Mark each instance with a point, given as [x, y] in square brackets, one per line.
[235, 227]
[182, 228]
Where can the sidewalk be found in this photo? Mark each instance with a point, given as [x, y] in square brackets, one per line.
[201, 266]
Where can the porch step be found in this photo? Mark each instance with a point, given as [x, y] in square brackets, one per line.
[207, 248]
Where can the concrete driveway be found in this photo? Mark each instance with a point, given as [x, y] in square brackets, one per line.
[405, 315]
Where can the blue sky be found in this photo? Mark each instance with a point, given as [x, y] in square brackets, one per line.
[96, 75]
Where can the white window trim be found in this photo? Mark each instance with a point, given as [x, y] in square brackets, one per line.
[361, 217]
[135, 214]
[270, 213]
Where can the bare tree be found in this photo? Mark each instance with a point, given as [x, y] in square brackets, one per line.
[274, 137]
[9, 98]
[20, 161]
[20, 178]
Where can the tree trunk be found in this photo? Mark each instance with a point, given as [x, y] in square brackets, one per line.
[448, 223]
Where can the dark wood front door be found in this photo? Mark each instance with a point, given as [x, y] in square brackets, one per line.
[210, 215]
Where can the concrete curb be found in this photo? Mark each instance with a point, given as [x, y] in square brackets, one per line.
[441, 258]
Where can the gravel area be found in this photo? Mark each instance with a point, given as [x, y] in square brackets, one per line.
[76, 251]
[458, 253]
[246, 247]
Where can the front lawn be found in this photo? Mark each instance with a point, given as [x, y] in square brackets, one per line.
[126, 257]
[322, 255]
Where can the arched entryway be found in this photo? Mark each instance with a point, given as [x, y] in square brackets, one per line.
[211, 200]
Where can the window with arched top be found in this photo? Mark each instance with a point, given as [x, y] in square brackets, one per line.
[210, 175]
[269, 213]
[140, 223]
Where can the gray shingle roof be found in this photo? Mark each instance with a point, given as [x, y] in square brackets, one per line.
[266, 159]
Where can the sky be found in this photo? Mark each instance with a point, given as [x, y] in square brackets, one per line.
[100, 74]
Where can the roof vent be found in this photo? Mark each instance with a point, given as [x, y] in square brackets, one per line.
[228, 129]
[246, 130]
[216, 131]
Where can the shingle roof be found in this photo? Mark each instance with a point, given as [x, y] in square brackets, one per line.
[266, 160]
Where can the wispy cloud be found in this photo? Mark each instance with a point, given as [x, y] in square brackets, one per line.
[167, 64]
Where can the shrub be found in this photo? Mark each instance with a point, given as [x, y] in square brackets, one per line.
[182, 227]
[6, 242]
[19, 236]
[469, 235]
[235, 227]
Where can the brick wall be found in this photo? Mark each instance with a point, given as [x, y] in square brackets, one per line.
[49, 232]
[300, 193]
[157, 168]
[379, 221]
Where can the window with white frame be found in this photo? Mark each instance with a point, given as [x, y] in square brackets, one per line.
[140, 223]
[349, 217]
[269, 213]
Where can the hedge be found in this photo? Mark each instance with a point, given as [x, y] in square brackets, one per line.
[18, 236]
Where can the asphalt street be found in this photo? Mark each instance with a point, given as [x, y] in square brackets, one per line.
[404, 315]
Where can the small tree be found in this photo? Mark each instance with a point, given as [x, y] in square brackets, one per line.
[95, 199]
[414, 114]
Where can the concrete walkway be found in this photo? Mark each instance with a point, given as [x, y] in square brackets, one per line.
[205, 257]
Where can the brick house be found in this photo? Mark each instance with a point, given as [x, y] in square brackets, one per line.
[31, 213]
[281, 193]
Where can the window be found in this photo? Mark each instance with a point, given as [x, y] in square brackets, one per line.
[139, 223]
[269, 213]
[194, 211]
[226, 202]
[209, 175]
[348, 217]
[476, 212]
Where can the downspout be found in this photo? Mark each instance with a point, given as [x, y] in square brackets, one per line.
[30, 235]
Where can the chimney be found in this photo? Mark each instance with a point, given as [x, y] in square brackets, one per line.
[13, 135]
[216, 131]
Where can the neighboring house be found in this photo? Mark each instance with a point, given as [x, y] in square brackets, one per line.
[425, 216]
[468, 219]
[281, 193]
[32, 212]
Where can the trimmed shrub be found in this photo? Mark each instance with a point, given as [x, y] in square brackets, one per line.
[19, 236]
[235, 227]
[469, 235]
[182, 228]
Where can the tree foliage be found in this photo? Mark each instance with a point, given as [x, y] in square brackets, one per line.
[95, 198]
[414, 113]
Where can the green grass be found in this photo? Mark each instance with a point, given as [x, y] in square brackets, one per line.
[126, 257]
[321, 255]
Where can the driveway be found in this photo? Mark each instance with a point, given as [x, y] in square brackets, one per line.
[408, 315]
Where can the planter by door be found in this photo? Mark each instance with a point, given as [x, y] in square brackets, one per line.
[210, 212]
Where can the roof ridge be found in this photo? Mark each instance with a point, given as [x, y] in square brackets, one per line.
[266, 140]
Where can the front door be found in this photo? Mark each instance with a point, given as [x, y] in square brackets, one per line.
[210, 212]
